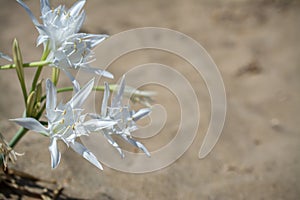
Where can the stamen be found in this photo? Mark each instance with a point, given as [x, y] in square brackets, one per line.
[75, 46]
[58, 11]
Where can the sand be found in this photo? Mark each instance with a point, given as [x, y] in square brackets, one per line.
[256, 48]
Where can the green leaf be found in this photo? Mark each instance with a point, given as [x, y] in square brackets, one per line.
[17, 57]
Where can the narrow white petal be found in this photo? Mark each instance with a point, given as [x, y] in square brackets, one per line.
[113, 143]
[75, 83]
[136, 143]
[116, 102]
[79, 21]
[84, 152]
[76, 8]
[141, 113]
[105, 100]
[45, 6]
[51, 95]
[98, 124]
[31, 124]
[79, 98]
[6, 57]
[54, 153]
[42, 39]
[99, 72]
[95, 39]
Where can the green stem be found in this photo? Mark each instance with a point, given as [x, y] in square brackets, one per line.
[55, 75]
[21, 132]
[24, 91]
[112, 87]
[26, 65]
[36, 77]
[68, 89]
[40, 67]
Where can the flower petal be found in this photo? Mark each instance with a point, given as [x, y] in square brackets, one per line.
[116, 102]
[75, 83]
[113, 142]
[54, 152]
[76, 26]
[6, 57]
[31, 124]
[79, 98]
[99, 72]
[141, 113]
[98, 124]
[45, 6]
[105, 100]
[84, 152]
[136, 143]
[50, 99]
[94, 39]
[76, 8]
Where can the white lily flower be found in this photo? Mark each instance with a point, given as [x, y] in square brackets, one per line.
[124, 117]
[66, 122]
[69, 49]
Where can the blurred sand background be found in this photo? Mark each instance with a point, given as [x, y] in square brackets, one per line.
[256, 46]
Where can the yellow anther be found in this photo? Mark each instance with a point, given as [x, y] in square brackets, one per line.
[58, 12]
[75, 47]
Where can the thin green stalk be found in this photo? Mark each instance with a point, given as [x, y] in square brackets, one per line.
[97, 88]
[55, 75]
[70, 89]
[36, 77]
[39, 70]
[21, 132]
[25, 65]
[112, 87]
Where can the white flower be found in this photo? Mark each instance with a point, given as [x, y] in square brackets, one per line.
[124, 117]
[68, 48]
[66, 122]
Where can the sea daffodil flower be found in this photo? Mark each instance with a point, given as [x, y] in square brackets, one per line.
[66, 122]
[125, 118]
[59, 30]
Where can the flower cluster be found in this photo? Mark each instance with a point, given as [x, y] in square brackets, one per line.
[123, 117]
[67, 122]
[65, 48]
